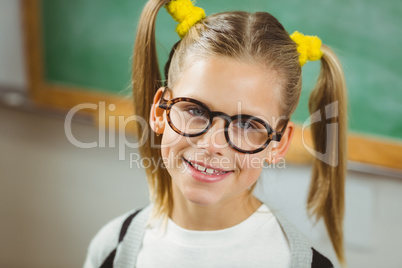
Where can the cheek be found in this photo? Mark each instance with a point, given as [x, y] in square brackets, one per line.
[250, 166]
[169, 140]
[172, 146]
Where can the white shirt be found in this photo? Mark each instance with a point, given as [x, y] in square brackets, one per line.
[256, 242]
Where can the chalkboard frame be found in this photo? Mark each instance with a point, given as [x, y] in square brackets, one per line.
[361, 148]
[46, 94]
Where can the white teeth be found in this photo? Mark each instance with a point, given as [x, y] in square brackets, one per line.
[210, 170]
[200, 168]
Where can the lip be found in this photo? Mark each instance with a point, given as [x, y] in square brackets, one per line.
[199, 176]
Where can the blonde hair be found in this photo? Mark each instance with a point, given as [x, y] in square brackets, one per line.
[261, 39]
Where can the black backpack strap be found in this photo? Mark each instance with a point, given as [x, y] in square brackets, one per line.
[320, 261]
[126, 224]
[108, 263]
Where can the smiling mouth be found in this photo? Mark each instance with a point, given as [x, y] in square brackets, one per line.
[205, 170]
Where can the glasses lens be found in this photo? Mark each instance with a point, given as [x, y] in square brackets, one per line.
[247, 134]
[189, 118]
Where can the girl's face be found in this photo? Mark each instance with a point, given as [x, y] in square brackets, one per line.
[228, 86]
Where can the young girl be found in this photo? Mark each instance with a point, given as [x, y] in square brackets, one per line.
[232, 84]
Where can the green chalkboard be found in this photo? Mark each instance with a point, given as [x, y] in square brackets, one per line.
[89, 43]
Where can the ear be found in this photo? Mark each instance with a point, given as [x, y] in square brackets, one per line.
[156, 120]
[279, 149]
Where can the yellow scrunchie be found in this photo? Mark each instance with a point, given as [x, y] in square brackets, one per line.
[308, 46]
[186, 14]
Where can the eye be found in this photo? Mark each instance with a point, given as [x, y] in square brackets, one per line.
[247, 125]
[196, 111]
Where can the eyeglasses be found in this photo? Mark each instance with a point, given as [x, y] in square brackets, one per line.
[245, 133]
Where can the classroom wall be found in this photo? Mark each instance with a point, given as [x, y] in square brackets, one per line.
[12, 72]
[55, 196]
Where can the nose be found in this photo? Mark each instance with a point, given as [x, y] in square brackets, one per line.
[214, 139]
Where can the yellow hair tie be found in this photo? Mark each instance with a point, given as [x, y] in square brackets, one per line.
[308, 46]
[186, 14]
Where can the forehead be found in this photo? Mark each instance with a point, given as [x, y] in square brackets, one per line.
[231, 86]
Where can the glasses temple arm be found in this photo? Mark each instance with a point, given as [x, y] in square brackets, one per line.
[277, 135]
[162, 102]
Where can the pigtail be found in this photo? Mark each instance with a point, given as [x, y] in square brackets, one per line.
[326, 194]
[146, 81]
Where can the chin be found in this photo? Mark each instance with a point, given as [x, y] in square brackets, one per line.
[201, 199]
[202, 203]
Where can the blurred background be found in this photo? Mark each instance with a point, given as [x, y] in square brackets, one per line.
[55, 196]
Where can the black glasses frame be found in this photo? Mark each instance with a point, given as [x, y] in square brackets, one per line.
[272, 135]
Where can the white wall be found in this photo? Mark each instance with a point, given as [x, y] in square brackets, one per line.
[12, 72]
[54, 196]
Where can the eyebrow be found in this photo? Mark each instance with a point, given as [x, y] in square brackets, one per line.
[248, 112]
